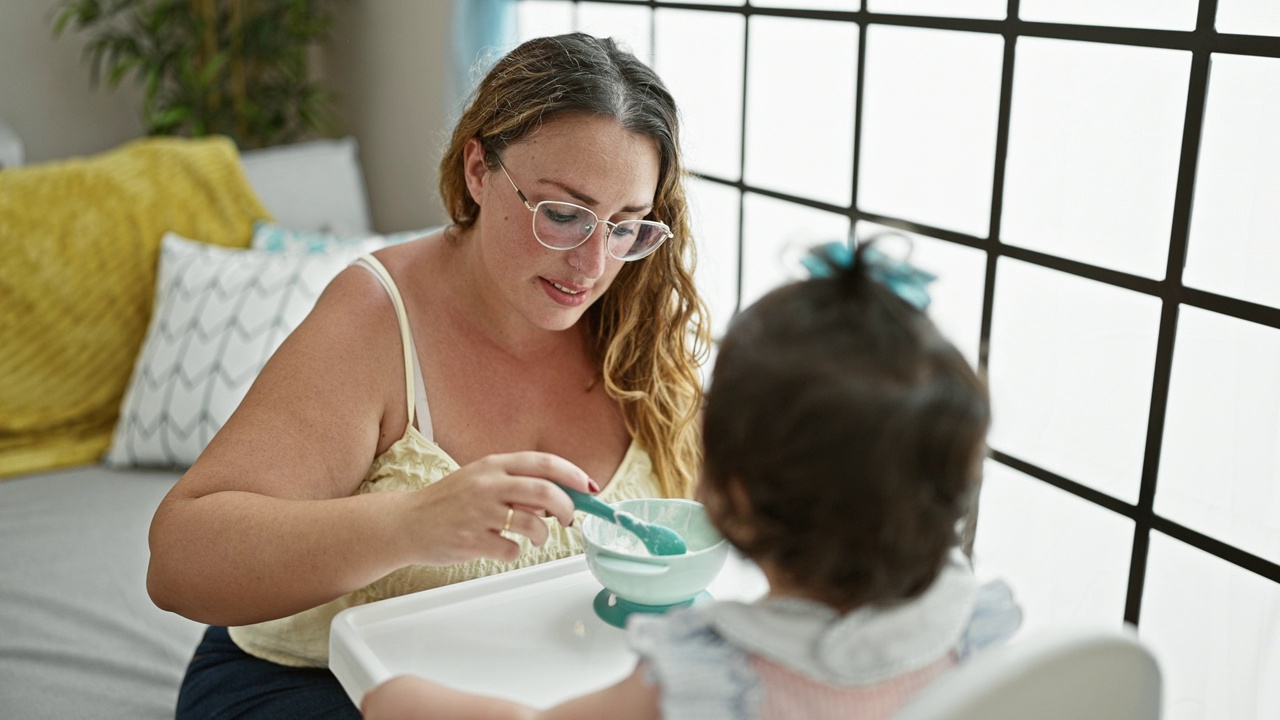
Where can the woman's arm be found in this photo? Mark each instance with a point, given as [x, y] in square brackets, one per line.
[407, 698]
[265, 523]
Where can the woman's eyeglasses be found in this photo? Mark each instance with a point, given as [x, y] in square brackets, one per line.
[565, 226]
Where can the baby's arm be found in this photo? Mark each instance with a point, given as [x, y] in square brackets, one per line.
[407, 697]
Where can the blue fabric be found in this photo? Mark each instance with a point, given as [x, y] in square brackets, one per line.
[907, 282]
[996, 617]
[274, 238]
[483, 30]
[224, 681]
[702, 676]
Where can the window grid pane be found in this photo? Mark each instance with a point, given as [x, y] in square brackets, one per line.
[1092, 166]
[1027, 526]
[536, 18]
[1070, 368]
[706, 81]
[1220, 473]
[630, 26]
[1248, 17]
[1234, 248]
[1215, 630]
[714, 210]
[775, 234]
[956, 296]
[990, 9]
[930, 103]
[1110, 221]
[1161, 14]
[800, 122]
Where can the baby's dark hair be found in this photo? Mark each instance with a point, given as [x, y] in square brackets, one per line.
[843, 439]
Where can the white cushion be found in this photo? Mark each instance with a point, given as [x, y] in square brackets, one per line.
[10, 147]
[219, 314]
[315, 185]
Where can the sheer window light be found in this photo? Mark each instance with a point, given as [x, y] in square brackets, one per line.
[627, 24]
[1215, 630]
[1071, 366]
[706, 81]
[1159, 14]
[713, 215]
[1220, 463]
[800, 82]
[1095, 138]
[539, 18]
[929, 112]
[775, 232]
[1066, 559]
[1248, 17]
[985, 9]
[811, 4]
[1234, 248]
[956, 295]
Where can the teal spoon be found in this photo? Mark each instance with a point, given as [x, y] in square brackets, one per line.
[658, 539]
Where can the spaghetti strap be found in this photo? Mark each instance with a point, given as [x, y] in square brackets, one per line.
[415, 390]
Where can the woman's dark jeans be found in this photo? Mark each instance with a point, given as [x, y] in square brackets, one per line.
[225, 682]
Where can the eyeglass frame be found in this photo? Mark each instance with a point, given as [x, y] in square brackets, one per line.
[609, 225]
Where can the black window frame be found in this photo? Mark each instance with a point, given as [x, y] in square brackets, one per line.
[1201, 42]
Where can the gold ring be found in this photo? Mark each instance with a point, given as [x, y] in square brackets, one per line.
[506, 526]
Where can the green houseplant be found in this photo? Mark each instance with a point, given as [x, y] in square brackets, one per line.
[231, 67]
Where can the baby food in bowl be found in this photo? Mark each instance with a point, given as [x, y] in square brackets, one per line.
[636, 581]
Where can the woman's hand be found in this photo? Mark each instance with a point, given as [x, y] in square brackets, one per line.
[468, 513]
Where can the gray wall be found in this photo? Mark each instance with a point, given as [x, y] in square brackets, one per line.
[44, 89]
[387, 61]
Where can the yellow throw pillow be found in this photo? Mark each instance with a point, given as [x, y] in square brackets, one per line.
[80, 240]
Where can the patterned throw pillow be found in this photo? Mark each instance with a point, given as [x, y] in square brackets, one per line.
[276, 238]
[219, 314]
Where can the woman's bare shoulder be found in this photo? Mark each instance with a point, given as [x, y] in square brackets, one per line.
[321, 407]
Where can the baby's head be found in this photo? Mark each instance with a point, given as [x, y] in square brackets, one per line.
[843, 439]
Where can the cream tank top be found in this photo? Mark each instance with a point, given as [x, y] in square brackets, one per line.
[412, 463]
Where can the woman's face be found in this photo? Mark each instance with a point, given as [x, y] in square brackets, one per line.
[588, 161]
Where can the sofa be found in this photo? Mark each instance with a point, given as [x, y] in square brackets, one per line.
[141, 289]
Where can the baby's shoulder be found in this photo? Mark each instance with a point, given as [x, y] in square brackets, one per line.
[700, 673]
[683, 625]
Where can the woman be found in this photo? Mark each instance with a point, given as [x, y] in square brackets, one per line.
[412, 431]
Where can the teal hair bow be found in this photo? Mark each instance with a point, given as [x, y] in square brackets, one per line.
[906, 281]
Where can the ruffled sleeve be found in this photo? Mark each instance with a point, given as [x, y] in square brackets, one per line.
[996, 616]
[699, 675]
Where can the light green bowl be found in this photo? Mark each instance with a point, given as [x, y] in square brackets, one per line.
[620, 562]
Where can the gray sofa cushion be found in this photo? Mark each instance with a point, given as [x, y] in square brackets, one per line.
[79, 637]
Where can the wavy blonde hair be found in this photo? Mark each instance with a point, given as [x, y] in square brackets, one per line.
[650, 330]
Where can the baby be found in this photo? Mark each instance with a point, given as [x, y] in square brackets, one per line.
[843, 439]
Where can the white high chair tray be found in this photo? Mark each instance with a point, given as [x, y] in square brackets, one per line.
[528, 635]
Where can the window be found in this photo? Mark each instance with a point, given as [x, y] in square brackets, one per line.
[1095, 183]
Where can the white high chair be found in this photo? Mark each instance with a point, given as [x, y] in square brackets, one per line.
[1079, 675]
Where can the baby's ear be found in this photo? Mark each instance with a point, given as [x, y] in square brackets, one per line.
[729, 508]
[739, 500]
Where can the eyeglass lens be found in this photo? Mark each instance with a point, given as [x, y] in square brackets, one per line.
[565, 226]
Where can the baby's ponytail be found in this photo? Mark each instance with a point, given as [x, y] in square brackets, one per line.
[851, 265]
